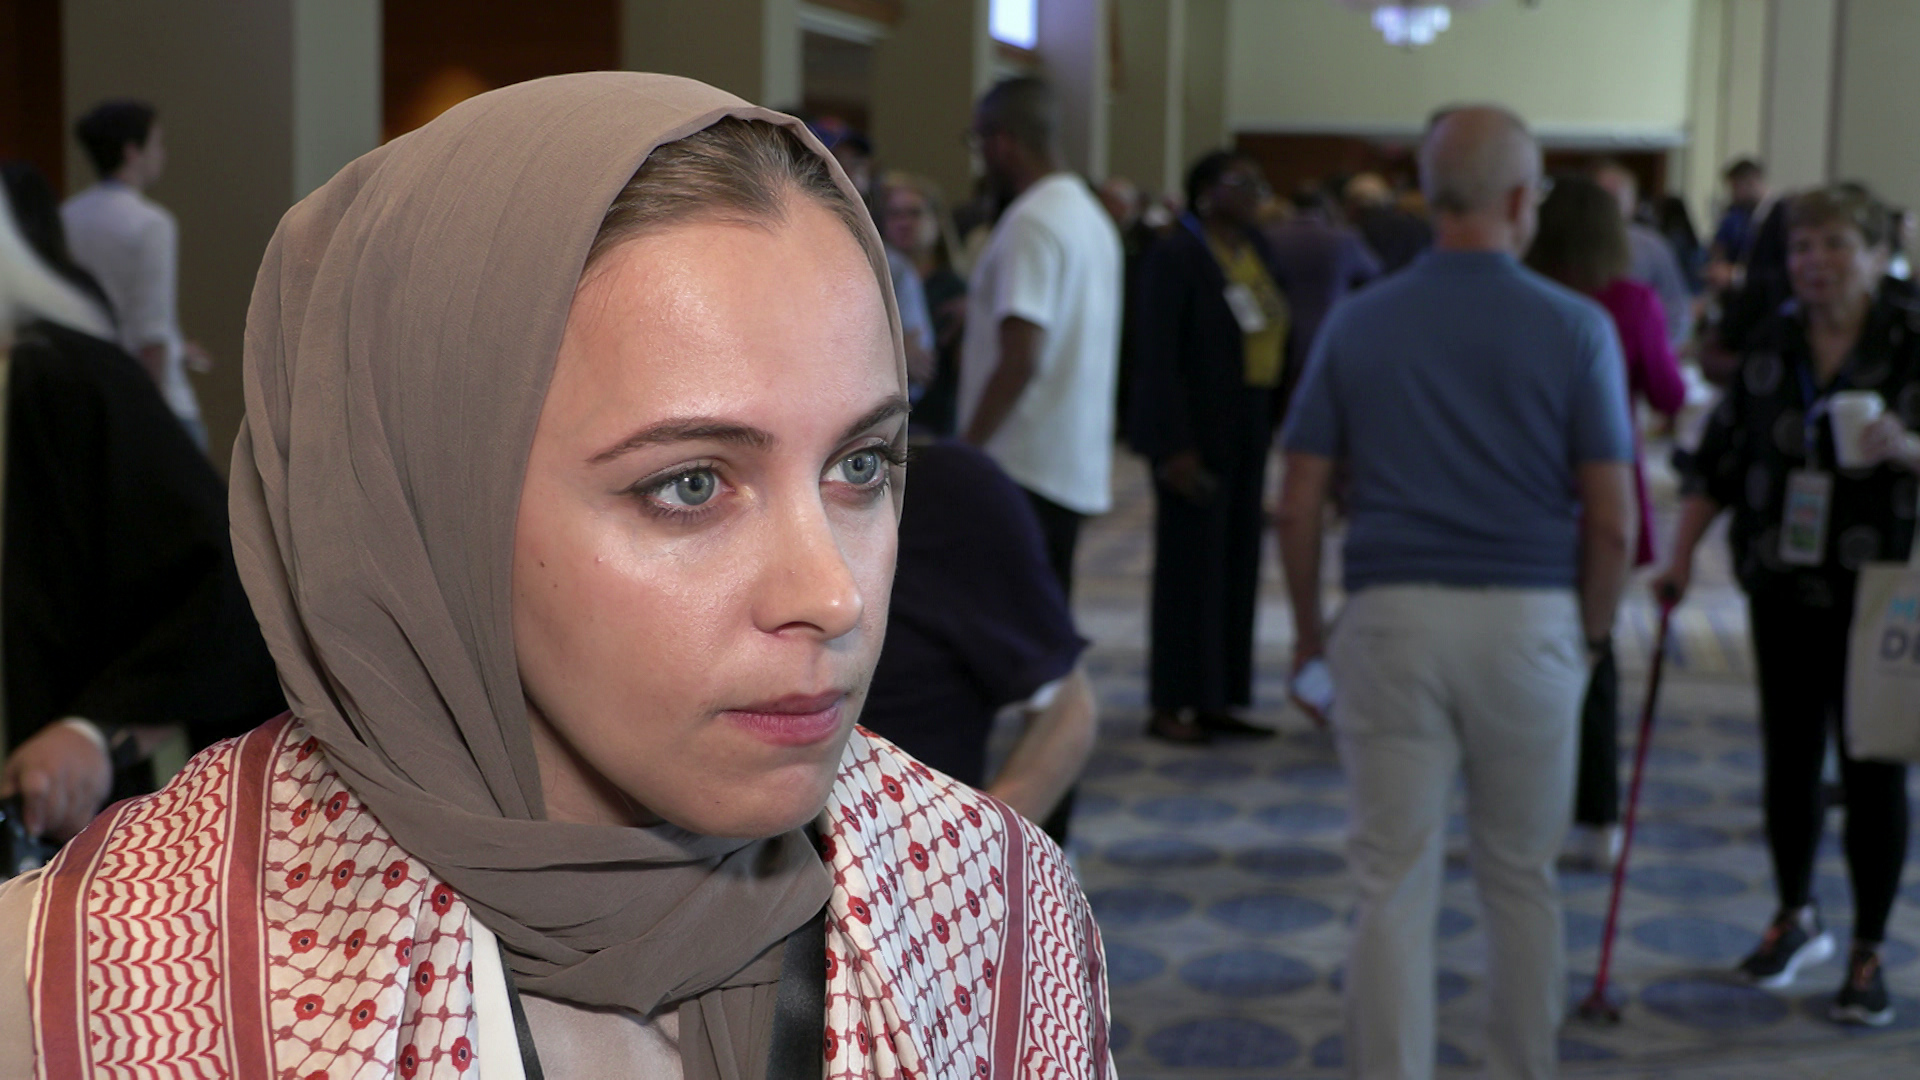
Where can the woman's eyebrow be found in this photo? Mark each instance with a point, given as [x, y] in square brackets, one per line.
[886, 410]
[687, 429]
[715, 429]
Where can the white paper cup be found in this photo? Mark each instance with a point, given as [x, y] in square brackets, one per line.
[1852, 411]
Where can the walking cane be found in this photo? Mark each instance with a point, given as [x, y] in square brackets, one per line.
[1596, 1008]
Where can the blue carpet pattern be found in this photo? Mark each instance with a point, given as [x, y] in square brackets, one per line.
[1220, 882]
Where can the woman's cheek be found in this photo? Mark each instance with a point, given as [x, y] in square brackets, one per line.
[878, 550]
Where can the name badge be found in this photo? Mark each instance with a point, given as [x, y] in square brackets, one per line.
[1246, 308]
[1803, 528]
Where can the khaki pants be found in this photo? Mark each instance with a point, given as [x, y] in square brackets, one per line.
[1433, 680]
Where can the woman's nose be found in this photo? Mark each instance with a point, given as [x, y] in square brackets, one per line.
[808, 585]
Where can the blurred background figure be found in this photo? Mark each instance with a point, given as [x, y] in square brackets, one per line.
[854, 152]
[1675, 222]
[131, 246]
[979, 623]
[1746, 195]
[123, 614]
[1213, 327]
[1040, 357]
[1394, 235]
[914, 218]
[1771, 444]
[37, 212]
[1651, 259]
[1320, 260]
[1126, 206]
[1482, 414]
[1582, 243]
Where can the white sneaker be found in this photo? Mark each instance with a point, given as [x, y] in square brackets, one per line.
[1594, 847]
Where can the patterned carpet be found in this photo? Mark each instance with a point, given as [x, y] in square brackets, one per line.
[1219, 878]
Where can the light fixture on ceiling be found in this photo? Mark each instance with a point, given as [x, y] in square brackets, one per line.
[1409, 25]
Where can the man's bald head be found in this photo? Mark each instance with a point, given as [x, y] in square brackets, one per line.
[1474, 157]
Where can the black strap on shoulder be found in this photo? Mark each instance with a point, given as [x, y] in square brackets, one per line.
[800, 1013]
[522, 1031]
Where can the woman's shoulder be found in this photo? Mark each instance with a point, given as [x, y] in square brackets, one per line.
[254, 869]
[894, 812]
[17, 899]
[963, 914]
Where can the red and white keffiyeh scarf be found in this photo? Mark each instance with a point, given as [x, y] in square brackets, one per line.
[253, 920]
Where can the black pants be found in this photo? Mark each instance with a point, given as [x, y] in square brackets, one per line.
[1060, 527]
[1206, 584]
[1596, 790]
[1801, 654]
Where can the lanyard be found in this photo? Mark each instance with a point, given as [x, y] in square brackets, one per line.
[1817, 402]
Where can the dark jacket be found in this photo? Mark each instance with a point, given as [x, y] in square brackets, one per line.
[122, 604]
[1757, 436]
[1189, 383]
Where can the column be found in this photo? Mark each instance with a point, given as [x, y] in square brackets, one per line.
[1073, 48]
[746, 47]
[1204, 121]
[1144, 140]
[1796, 135]
[260, 102]
[1876, 129]
[927, 72]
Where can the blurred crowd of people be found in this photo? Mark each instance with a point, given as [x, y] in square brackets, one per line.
[1462, 373]
[1465, 373]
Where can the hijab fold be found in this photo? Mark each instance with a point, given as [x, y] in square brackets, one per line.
[401, 337]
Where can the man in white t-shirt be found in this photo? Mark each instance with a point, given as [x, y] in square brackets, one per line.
[131, 245]
[1042, 347]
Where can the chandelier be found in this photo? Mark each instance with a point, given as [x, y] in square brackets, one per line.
[1409, 25]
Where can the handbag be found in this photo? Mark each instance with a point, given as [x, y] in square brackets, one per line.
[1883, 663]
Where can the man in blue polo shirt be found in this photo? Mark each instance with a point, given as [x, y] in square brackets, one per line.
[1481, 415]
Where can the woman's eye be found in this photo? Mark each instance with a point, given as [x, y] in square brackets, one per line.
[862, 469]
[688, 489]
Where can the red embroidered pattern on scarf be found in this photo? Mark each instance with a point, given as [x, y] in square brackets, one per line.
[252, 919]
[924, 978]
[254, 864]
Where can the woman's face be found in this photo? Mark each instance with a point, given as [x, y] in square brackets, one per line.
[909, 222]
[1831, 263]
[705, 541]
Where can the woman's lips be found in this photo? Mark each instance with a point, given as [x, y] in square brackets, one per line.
[794, 720]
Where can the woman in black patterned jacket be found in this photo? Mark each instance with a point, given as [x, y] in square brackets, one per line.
[1769, 445]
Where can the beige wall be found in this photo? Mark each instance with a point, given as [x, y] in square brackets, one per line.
[1149, 92]
[1205, 125]
[1799, 96]
[1743, 78]
[252, 121]
[927, 72]
[1696, 165]
[1877, 136]
[1727, 97]
[747, 47]
[1573, 68]
[336, 87]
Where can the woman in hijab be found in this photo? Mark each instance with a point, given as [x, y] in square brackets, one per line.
[566, 497]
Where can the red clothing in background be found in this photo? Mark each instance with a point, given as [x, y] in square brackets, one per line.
[1653, 374]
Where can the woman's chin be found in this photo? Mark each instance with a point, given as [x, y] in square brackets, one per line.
[782, 801]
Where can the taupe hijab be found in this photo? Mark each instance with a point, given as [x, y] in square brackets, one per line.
[401, 337]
